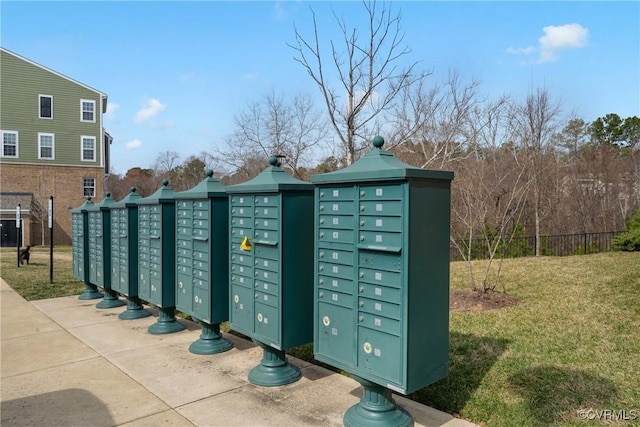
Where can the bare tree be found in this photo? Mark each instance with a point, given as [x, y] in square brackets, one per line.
[165, 162]
[436, 123]
[275, 126]
[535, 122]
[488, 194]
[369, 75]
[489, 202]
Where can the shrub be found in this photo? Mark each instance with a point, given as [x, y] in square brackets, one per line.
[629, 240]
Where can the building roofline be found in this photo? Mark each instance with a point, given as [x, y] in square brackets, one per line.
[102, 94]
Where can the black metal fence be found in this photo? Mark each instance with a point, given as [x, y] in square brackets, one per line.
[558, 245]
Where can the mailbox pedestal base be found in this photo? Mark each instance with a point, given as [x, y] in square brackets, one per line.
[134, 310]
[210, 341]
[376, 408]
[110, 300]
[90, 292]
[274, 370]
[166, 323]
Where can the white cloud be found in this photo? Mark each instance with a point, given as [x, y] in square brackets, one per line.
[110, 114]
[555, 39]
[133, 145]
[152, 108]
[569, 36]
[164, 125]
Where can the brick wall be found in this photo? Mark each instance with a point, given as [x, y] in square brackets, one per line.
[64, 183]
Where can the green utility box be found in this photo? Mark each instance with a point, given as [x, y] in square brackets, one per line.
[99, 228]
[202, 261]
[271, 268]
[80, 249]
[382, 272]
[157, 256]
[124, 247]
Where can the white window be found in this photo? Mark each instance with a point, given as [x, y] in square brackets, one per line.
[89, 187]
[46, 146]
[88, 148]
[87, 110]
[46, 106]
[9, 143]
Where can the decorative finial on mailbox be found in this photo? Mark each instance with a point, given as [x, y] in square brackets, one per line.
[108, 194]
[132, 189]
[165, 182]
[209, 173]
[275, 160]
[378, 141]
[88, 198]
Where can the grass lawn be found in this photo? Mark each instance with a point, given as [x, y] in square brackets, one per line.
[571, 344]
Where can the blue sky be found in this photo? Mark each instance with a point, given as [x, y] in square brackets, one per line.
[177, 72]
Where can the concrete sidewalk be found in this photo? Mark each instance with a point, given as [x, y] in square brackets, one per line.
[66, 363]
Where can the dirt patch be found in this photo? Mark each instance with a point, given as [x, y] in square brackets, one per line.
[469, 300]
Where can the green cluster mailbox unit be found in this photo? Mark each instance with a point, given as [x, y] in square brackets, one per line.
[80, 248]
[124, 248]
[202, 261]
[271, 268]
[99, 239]
[157, 256]
[382, 279]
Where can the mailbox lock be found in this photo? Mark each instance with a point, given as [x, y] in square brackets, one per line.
[361, 289]
[233, 221]
[255, 296]
[367, 347]
[256, 262]
[256, 211]
[321, 295]
[233, 268]
[322, 221]
[360, 319]
[361, 304]
[321, 208]
[321, 267]
[259, 317]
[362, 193]
[361, 208]
[322, 194]
[326, 321]
[361, 222]
[321, 254]
[236, 298]
[361, 276]
[321, 235]
[361, 238]
[321, 281]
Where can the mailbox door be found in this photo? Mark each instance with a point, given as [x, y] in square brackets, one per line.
[359, 280]
[193, 253]
[92, 218]
[78, 245]
[144, 251]
[255, 269]
[115, 250]
[241, 273]
[335, 284]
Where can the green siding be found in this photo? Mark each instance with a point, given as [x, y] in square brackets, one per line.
[20, 84]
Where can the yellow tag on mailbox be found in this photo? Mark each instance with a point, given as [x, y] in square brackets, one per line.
[246, 244]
